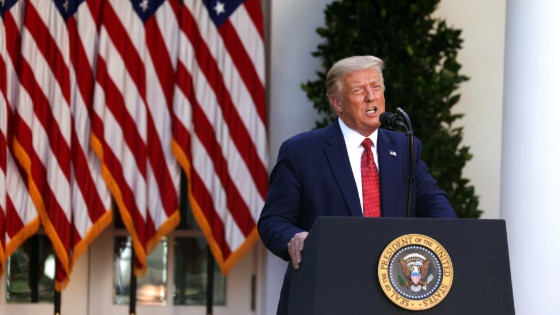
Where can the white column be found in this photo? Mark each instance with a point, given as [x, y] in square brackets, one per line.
[530, 199]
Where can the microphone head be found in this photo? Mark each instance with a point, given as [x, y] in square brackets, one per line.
[385, 118]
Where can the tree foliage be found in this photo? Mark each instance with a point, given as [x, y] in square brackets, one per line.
[421, 74]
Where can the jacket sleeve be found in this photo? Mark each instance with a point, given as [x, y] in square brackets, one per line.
[280, 216]
[431, 201]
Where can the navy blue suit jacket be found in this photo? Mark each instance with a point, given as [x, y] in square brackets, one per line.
[313, 178]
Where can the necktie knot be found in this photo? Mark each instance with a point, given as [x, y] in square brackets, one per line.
[367, 144]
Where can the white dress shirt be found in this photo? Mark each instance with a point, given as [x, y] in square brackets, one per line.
[353, 140]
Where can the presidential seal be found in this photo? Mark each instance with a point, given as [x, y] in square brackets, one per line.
[415, 272]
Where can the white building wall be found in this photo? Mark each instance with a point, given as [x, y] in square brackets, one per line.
[530, 167]
[293, 38]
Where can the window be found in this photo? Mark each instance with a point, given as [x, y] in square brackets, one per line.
[30, 272]
[193, 273]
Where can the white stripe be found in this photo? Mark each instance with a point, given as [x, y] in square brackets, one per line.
[18, 194]
[114, 138]
[169, 29]
[46, 80]
[131, 22]
[82, 124]
[57, 180]
[213, 185]
[181, 105]
[250, 38]
[160, 115]
[155, 207]
[123, 81]
[56, 25]
[237, 169]
[86, 29]
[240, 97]
[3, 134]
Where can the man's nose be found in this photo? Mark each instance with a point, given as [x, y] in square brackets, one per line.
[370, 96]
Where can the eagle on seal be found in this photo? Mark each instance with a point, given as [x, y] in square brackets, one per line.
[415, 273]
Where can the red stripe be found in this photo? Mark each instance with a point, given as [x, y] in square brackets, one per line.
[235, 203]
[166, 75]
[114, 101]
[14, 224]
[204, 199]
[155, 155]
[180, 133]
[121, 41]
[200, 194]
[238, 132]
[6, 109]
[167, 191]
[49, 49]
[127, 193]
[95, 206]
[244, 66]
[53, 211]
[160, 56]
[2, 237]
[84, 73]
[96, 11]
[254, 10]
[43, 113]
[3, 75]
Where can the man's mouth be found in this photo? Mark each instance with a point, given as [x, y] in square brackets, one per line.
[371, 111]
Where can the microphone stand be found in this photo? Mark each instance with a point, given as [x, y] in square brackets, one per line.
[410, 135]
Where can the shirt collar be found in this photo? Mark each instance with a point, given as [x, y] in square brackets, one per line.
[354, 139]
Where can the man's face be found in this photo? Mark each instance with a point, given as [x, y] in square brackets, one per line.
[361, 101]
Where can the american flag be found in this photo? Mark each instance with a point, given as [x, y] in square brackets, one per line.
[91, 200]
[219, 130]
[51, 129]
[132, 104]
[18, 216]
[115, 95]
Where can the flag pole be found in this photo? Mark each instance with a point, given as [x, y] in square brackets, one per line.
[57, 297]
[132, 299]
[56, 291]
[210, 284]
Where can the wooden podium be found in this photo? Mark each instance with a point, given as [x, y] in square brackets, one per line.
[339, 271]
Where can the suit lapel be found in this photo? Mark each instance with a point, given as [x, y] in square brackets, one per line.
[389, 175]
[337, 156]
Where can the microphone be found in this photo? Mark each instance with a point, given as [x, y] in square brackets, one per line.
[392, 120]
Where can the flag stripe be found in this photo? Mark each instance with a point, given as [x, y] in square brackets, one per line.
[254, 10]
[238, 133]
[91, 192]
[203, 127]
[245, 66]
[115, 104]
[225, 155]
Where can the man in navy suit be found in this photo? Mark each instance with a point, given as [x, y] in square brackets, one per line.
[318, 172]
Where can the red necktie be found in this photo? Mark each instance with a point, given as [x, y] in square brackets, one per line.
[370, 182]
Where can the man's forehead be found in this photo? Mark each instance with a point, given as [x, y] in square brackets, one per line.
[364, 77]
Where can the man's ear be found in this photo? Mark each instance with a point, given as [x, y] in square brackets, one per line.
[335, 103]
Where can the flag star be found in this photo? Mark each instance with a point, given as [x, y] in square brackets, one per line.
[65, 5]
[144, 5]
[220, 8]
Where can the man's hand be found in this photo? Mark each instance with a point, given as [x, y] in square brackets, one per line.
[295, 247]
